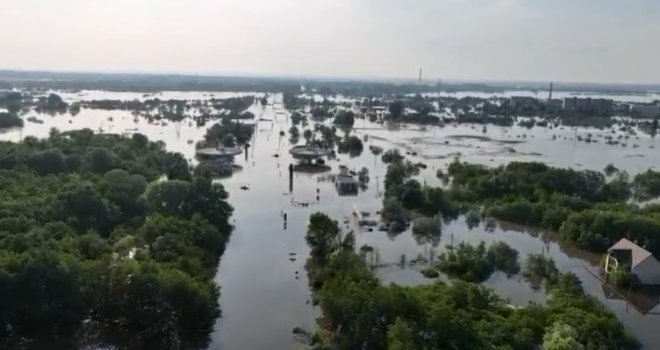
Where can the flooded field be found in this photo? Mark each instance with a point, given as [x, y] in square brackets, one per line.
[264, 287]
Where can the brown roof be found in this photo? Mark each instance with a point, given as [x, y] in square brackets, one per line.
[638, 253]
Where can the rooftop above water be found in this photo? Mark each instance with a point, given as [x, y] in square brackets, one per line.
[211, 152]
[309, 152]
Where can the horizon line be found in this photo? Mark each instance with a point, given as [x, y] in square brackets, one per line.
[335, 78]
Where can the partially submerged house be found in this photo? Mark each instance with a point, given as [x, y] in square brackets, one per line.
[346, 185]
[639, 261]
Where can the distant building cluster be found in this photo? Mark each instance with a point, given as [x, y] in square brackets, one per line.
[589, 105]
[600, 106]
[645, 111]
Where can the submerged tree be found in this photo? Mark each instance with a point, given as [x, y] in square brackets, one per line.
[396, 110]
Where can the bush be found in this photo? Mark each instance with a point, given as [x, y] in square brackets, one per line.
[504, 258]
[466, 262]
[430, 273]
[345, 119]
[538, 269]
[9, 120]
[392, 155]
[351, 145]
[476, 263]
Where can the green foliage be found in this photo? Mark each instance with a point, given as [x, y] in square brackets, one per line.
[218, 133]
[597, 230]
[477, 263]
[472, 219]
[307, 134]
[504, 258]
[49, 161]
[539, 268]
[351, 145]
[430, 273]
[581, 205]
[87, 241]
[396, 110]
[392, 155]
[294, 131]
[176, 167]
[292, 102]
[344, 119]
[167, 196]
[54, 103]
[597, 328]
[561, 337]
[297, 118]
[358, 312]
[427, 229]
[401, 192]
[610, 169]
[623, 278]
[101, 160]
[647, 185]
[9, 120]
[322, 236]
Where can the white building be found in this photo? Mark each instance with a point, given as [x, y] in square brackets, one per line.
[639, 260]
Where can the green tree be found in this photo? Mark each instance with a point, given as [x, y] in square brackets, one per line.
[307, 134]
[46, 296]
[176, 167]
[396, 109]
[100, 160]
[124, 190]
[167, 196]
[229, 140]
[323, 235]
[83, 207]
[50, 161]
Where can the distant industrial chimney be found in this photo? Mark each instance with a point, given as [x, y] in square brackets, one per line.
[550, 95]
[420, 75]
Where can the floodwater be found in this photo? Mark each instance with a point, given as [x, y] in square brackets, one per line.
[264, 288]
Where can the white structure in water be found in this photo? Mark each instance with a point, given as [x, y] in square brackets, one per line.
[636, 259]
[307, 155]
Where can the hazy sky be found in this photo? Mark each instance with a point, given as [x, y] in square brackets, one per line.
[569, 40]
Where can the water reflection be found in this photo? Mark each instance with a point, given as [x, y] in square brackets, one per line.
[264, 290]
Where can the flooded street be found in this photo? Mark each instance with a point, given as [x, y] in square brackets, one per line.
[264, 287]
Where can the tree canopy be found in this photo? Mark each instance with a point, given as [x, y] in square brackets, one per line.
[94, 240]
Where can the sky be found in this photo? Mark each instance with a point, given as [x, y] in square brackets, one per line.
[536, 40]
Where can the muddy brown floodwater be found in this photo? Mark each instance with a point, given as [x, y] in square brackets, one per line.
[264, 292]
